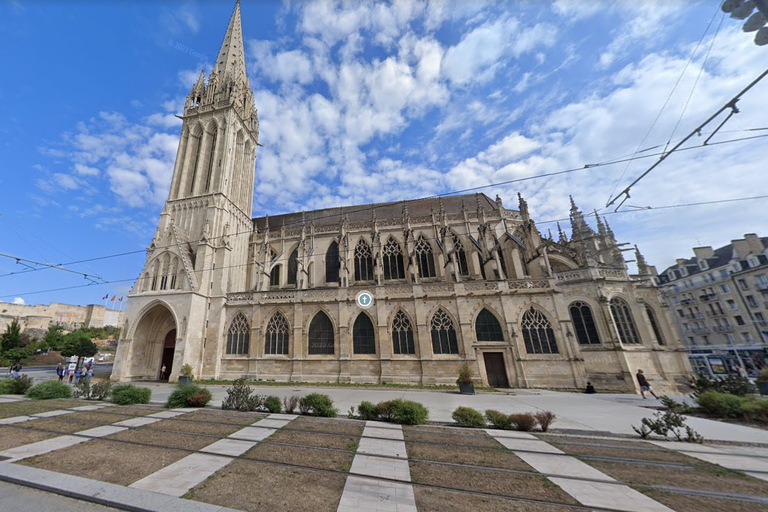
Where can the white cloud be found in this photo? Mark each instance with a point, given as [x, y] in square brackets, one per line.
[19, 300]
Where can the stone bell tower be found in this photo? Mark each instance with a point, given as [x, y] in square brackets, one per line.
[200, 249]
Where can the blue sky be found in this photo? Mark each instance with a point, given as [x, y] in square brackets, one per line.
[367, 102]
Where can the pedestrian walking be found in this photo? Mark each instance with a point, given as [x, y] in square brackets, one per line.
[71, 375]
[16, 370]
[60, 372]
[644, 384]
[89, 374]
[162, 373]
[78, 373]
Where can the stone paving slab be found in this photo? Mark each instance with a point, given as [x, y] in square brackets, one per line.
[230, 447]
[41, 447]
[514, 434]
[272, 423]
[284, 417]
[105, 430]
[136, 422]
[51, 414]
[611, 496]
[378, 467]
[524, 445]
[385, 433]
[90, 407]
[386, 447]
[169, 414]
[15, 419]
[383, 424]
[182, 475]
[101, 492]
[255, 433]
[563, 466]
[365, 494]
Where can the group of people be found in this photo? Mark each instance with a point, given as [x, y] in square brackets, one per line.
[85, 372]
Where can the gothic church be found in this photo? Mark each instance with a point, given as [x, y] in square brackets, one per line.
[461, 279]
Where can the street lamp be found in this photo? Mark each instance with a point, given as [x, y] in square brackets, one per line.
[757, 22]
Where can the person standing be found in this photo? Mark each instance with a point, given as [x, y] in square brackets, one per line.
[60, 372]
[162, 373]
[644, 385]
[89, 374]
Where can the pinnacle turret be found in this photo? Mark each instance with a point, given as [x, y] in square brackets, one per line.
[231, 59]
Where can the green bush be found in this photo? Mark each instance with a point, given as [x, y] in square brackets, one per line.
[498, 419]
[48, 390]
[128, 394]
[318, 404]
[523, 421]
[181, 396]
[239, 398]
[368, 411]
[18, 386]
[95, 390]
[468, 417]
[720, 405]
[755, 409]
[273, 404]
[386, 410]
[732, 385]
[407, 412]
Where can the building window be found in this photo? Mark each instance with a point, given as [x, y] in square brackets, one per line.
[584, 324]
[276, 336]
[332, 263]
[537, 333]
[443, 334]
[293, 266]
[239, 336]
[402, 335]
[622, 318]
[211, 158]
[747, 337]
[487, 327]
[363, 335]
[724, 288]
[762, 281]
[174, 273]
[731, 304]
[363, 262]
[424, 258]
[751, 302]
[393, 260]
[654, 325]
[274, 277]
[729, 338]
[461, 256]
[320, 337]
[502, 263]
[743, 284]
[739, 320]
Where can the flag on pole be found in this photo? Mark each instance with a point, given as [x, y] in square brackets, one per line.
[120, 299]
[113, 298]
[105, 297]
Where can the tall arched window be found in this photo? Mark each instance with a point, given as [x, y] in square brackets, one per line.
[211, 158]
[239, 336]
[332, 263]
[537, 333]
[174, 273]
[424, 258]
[584, 324]
[321, 338]
[293, 266]
[622, 319]
[443, 334]
[487, 327]
[363, 262]
[654, 325]
[155, 272]
[274, 277]
[164, 272]
[402, 335]
[502, 263]
[461, 257]
[363, 336]
[199, 146]
[276, 336]
[393, 260]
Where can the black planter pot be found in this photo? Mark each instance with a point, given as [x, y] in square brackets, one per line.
[762, 387]
[466, 389]
[185, 381]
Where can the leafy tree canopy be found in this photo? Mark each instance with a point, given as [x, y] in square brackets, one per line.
[15, 355]
[11, 338]
[79, 344]
[53, 337]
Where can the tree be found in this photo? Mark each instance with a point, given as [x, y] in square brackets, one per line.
[53, 337]
[78, 344]
[11, 338]
[15, 355]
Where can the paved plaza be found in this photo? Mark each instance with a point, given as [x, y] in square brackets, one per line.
[202, 460]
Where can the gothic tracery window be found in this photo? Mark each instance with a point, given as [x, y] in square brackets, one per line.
[393, 260]
[402, 335]
[363, 262]
[622, 318]
[584, 323]
[174, 273]
[321, 335]
[211, 158]
[537, 333]
[363, 336]
[274, 277]
[238, 336]
[424, 258]
[487, 327]
[655, 325]
[332, 263]
[164, 271]
[276, 335]
[293, 266]
[443, 334]
[461, 256]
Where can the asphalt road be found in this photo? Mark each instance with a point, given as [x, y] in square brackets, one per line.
[41, 373]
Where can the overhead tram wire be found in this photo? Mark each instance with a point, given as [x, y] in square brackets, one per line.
[642, 209]
[445, 194]
[731, 104]
[669, 97]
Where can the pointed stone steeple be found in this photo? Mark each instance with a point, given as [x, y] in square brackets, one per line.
[642, 265]
[231, 59]
[563, 238]
[523, 208]
[580, 228]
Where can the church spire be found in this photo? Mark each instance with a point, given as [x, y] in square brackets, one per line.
[231, 58]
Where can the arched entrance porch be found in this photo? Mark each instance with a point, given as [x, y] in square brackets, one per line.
[154, 343]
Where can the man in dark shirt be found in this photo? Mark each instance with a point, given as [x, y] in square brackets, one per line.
[644, 384]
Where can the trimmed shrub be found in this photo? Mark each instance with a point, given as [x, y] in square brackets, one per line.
[48, 390]
[720, 405]
[498, 419]
[128, 394]
[291, 403]
[179, 397]
[755, 410]
[318, 404]
[368, 411]
[239, 398]
[544, 419]
[732, 385]
[18, 386]
[468, 417]
[273, 404]
[386, 410]
[95, 390]
[407, 412]
[523, 421]
[199, 398]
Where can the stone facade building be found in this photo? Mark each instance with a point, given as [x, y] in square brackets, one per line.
[456, 280]
[34, 320]
[719, 300]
